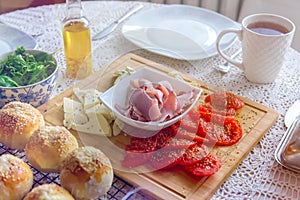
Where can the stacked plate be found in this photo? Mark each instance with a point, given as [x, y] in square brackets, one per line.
[179, 31]
[11, 38]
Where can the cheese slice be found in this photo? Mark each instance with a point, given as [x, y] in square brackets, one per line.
[89, 115]
[101, 109]
[71, 106]
[116, 129]
[91, 99]
[81, 93]
[97, 124]
[73, 113]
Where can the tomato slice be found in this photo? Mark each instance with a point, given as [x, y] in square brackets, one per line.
[142, 144]
[166, 158]
[163, 137]
[225, 135]
[207, 108]
[179, 143]
[207, 166]
[185, 134]
[224, 100]
[194, 154]
[135, 158]
[190, 121]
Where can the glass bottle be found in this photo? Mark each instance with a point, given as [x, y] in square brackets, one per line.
[77, 41]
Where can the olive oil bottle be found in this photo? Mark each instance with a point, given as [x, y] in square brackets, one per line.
[77, 41]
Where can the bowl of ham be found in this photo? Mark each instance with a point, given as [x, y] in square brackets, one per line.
[148, 100]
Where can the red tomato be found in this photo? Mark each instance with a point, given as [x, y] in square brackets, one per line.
[190, 121]
[179, 143]
[135, 158]
[225, 135]
[185, 134]
[142, 144]
[166, 158]
[213, 118]
[224, 100]
[163, 137]
[207, 166]
[209, 109]
[194, 154]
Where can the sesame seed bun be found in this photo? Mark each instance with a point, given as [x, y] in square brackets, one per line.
[86, 173]
[48, 147]
[48, 192]
[16, 177]
[18, 121]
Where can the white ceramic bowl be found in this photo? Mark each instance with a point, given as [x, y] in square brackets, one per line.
[35, 94]
[118, 94]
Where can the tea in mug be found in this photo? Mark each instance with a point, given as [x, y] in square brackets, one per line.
[267, 28]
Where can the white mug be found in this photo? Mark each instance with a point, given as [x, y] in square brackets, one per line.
[265, 39]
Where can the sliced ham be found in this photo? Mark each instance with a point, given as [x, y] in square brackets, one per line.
[154, 102]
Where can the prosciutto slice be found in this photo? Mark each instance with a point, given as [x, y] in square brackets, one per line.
[154, 102]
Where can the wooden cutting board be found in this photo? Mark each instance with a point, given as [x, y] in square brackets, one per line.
[256, 119]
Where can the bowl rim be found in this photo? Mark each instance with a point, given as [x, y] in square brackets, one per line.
[32, 51]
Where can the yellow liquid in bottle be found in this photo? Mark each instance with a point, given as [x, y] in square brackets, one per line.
[77, 44]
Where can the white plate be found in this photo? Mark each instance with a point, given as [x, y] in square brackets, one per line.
[179, 31]
[11, 38]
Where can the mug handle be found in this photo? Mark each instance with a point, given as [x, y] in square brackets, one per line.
[227, 58]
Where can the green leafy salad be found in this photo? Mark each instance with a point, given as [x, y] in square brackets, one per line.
[22, 68]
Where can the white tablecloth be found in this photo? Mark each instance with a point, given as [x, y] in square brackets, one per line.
[259, 176]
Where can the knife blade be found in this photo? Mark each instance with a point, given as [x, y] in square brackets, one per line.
[292, 113]
[110, 28]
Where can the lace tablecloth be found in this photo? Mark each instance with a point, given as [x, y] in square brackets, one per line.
[259, 176]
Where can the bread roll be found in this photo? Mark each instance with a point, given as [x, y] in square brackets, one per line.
[48, 147]
[17, 123]
[48, 192]
[16, 178]
[87, 173]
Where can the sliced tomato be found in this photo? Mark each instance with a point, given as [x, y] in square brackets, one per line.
[163, 137]
[135, 158]
[213, 118]
[166, 158]
[179, 143]
[194, 154]
[142, 144]
[224, 100]
[209, 109]
[185, 134]
[207, 166]
[225, 135]
[194, 114]
[190, 122]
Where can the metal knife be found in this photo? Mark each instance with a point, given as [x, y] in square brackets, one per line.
[110, 28]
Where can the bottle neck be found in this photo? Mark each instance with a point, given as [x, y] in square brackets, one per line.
[74, 9]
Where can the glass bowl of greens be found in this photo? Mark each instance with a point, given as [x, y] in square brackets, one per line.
[27, 76]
